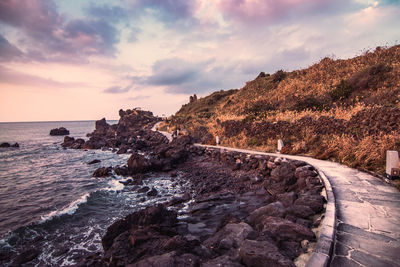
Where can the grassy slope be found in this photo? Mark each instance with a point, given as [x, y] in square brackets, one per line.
[343, 110]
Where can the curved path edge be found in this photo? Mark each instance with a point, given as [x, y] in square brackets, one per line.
[323, 250]
[362, 219]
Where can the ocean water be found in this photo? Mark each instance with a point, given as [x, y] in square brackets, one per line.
[49, 199]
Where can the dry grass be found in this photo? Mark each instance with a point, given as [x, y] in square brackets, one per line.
[331, 88]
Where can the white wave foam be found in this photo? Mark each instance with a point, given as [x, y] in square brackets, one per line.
[114, 185]
[70, 209]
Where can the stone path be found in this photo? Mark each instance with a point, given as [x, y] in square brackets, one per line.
[366, 219]
[367, 214]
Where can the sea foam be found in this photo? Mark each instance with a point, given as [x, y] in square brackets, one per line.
[70, 209]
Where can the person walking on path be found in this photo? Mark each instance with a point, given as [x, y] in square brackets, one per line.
[217, 140]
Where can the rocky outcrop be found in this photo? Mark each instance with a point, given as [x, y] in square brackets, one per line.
[131, 133]
[59, 131]
[256, 214]
[7, 145]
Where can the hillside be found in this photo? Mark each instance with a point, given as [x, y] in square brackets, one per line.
[342, 110]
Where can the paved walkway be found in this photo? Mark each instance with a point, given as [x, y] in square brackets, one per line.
[367, 211]
[366, 228]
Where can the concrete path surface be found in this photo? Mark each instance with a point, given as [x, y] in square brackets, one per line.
[365, 219]
[367, 228]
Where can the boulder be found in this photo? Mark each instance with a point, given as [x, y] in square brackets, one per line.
[262, 253]
[166, 259]
[282, 172]
[274, 209]
[101, 125]
[315, 202]
[68, 141]
[222, 261]
[102, 172]
[301, 211]
[15, 145]
[94, 161]
[152, 193]
[230, 236]
[282, 229]
[5, 145]
[59, 131]
[155, 215]
[138, 164]
[287, 199]
[27, 256]
[305, 171]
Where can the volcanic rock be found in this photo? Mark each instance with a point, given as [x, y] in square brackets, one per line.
[94, 161]
[262, 253]
[59, 131]
[102, 172]
[5, 145]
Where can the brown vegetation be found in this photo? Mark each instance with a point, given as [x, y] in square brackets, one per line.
[342, 110]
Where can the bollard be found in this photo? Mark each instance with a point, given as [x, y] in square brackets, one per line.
[392, 164]
[280, 144]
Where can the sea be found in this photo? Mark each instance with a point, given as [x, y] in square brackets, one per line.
[49, 200]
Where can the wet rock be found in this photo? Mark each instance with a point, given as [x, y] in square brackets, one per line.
[262, 253]
[68, 141]
[59, 131]
[154, 215]
[5, 145]
[102, 172]
[121, 170]
[122, 150]
[127, 182]
[144, 189]
[152, 193]
[15, 145]
[138, 164]
[94, 161]
[27, 256]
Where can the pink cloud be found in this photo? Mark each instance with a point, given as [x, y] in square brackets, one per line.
[266, 10]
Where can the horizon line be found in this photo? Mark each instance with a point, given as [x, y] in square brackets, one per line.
[56, 121]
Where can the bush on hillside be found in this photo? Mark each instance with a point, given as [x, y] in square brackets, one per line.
[342, 91]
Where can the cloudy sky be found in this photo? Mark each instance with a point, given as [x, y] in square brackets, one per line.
[77, 60]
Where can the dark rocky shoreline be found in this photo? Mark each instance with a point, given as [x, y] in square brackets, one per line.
[237, 210]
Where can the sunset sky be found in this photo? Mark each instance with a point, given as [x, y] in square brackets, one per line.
[79, 60]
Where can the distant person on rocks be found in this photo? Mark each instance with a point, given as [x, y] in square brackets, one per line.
[217, 140]
[174, 134]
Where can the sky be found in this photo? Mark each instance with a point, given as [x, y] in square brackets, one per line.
[85, 60]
